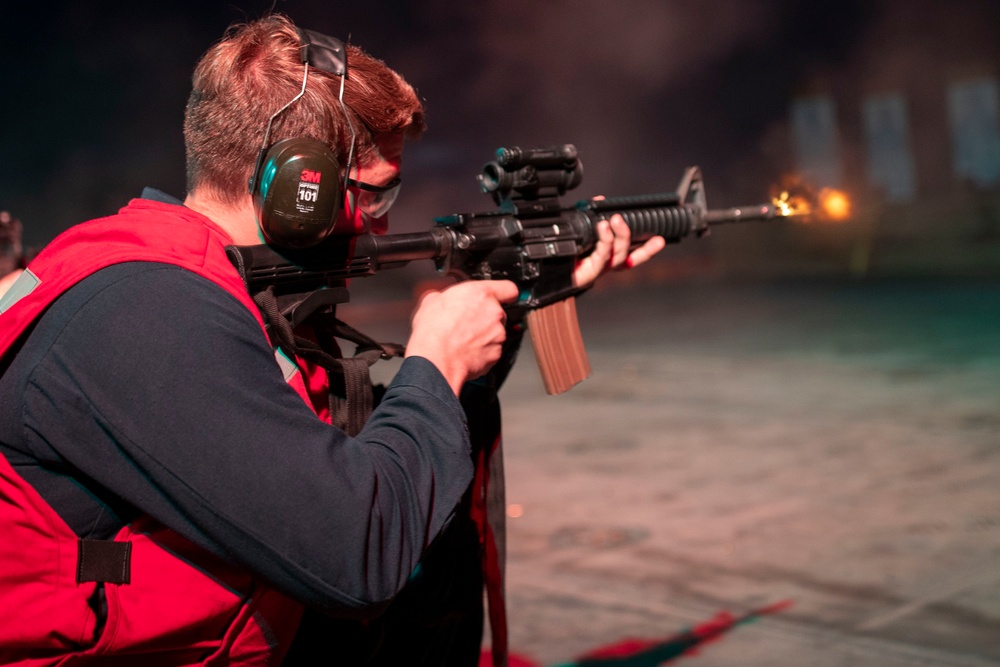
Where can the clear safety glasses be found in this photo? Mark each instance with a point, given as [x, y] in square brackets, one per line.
[374, 200]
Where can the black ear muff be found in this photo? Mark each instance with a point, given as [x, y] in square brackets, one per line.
[296, 192]
[296, 183]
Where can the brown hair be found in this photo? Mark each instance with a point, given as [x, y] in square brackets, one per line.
[254, 71]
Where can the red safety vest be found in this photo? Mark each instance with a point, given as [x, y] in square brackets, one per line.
[181, 605]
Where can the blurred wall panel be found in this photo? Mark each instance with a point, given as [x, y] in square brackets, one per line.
[890, 156]
[814, 130]
[974, 111]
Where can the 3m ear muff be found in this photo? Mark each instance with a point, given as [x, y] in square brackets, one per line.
[296, 185]
[297, 193]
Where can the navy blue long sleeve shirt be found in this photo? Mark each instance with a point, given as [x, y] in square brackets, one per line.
[148, 389]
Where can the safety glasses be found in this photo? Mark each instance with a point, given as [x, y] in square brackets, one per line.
[374, 200]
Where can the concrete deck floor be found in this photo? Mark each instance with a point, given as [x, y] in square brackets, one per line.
[832, 445]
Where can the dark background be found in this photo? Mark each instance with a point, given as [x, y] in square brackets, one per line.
[833, 442]
[93, 92]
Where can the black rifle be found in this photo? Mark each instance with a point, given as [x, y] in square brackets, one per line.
[531, 239]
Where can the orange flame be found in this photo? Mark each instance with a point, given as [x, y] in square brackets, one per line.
[834, 204]
[797, 199]
[791, 205]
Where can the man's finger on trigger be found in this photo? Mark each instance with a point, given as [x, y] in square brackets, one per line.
[503, 290]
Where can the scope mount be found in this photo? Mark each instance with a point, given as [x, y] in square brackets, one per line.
[531, 174]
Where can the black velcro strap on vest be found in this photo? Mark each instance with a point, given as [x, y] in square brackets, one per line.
[104, 561]
[350, 389]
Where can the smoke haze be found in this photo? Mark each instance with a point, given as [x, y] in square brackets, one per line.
[94, 97]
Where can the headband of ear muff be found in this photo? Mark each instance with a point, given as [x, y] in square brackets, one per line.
[296, 184]
[323, 52]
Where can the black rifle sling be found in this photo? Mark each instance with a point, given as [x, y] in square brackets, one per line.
[351, 394]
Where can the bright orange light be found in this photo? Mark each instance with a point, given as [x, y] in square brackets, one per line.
[515, 511]
[791, 205]
[795, 198]
[835, 204]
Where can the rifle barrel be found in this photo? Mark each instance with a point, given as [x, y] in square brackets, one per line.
[742, 214]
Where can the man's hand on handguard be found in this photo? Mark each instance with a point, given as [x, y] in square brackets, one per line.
[612, 251]
[461, 329]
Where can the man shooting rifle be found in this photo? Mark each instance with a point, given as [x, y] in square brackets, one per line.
[174, 492]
